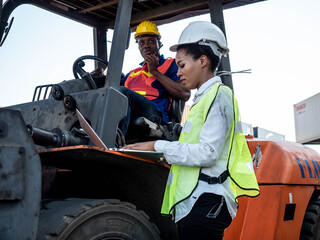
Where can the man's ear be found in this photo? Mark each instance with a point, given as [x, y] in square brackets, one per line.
[160, 44]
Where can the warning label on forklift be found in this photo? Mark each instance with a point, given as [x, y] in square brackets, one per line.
[257, 156]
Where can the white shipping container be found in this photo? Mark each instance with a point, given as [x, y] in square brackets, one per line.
[307, 120]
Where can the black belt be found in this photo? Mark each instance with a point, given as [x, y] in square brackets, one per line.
[214, 180]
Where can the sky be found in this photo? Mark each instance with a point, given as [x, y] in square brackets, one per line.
[277, 39]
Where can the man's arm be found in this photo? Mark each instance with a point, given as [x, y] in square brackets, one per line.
[176, 89]
[123, 80]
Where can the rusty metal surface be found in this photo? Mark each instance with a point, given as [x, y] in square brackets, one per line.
[12, 175]
[20, 179]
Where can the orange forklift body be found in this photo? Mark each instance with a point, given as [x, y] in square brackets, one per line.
[288, 175]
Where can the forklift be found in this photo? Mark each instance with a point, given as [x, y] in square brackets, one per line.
[60, 182]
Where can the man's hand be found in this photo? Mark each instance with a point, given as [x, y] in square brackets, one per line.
[152, 62]
[175, 89]
[143, 146]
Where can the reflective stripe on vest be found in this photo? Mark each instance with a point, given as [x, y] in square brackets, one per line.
[140, 80]
[182, 180]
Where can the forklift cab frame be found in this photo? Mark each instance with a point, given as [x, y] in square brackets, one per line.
[121, 16]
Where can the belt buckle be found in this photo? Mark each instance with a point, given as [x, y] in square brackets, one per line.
[212, 180]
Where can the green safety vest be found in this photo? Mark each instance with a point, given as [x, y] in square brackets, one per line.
[182, 180]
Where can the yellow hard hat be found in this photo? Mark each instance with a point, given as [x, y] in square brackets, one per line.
[145, 28]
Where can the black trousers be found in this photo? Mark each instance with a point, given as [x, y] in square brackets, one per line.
[138, 106]
[207, 220]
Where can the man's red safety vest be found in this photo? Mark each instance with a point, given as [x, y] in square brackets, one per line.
[140, 80]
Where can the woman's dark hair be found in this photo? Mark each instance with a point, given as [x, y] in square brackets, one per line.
[196, 51]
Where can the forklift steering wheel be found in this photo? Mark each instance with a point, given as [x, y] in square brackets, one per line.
[79, 64]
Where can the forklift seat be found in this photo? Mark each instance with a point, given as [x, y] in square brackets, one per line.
[176, 110]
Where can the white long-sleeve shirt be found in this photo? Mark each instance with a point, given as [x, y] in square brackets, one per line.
[210, 153]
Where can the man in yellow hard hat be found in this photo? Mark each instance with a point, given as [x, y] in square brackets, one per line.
[151, 87]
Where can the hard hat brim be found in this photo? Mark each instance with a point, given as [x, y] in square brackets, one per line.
[174, 48]
[146, 33]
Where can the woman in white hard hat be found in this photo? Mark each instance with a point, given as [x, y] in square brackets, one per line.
[203, 183]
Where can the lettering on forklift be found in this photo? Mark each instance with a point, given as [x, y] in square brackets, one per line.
[307, 169]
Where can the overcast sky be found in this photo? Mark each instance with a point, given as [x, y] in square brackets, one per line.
[278, 39]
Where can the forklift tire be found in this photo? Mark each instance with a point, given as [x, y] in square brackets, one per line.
[77, 219]
[310, 229]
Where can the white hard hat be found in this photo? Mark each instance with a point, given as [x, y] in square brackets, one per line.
[204, 33]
